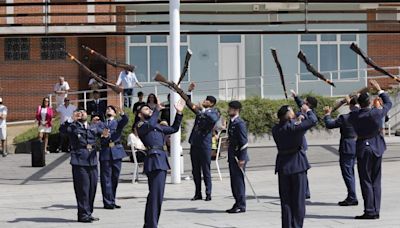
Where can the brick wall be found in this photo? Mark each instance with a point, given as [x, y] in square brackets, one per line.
[384, 49]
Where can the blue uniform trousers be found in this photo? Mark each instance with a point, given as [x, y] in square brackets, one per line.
[238, 185]
[85, 184]
[109, 176]
[369, 170]
[347, 162]
[156, 182]
[201, 161]
[292, 191]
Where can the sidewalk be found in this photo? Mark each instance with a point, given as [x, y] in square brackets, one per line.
[44, 197]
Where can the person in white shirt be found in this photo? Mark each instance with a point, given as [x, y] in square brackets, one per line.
[127, 79]
[61, 89]
[66, 113]
[3, 127]
[94, 84]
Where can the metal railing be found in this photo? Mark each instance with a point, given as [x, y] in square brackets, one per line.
[240, 88]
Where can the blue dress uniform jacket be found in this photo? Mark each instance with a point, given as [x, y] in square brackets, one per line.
[111, 154]
[237, 148]
[84, 166]
[99, 108]
[347, 151]
[156, 163]
[200, 149]
[370, 147]
[116, 127]
[291, 166]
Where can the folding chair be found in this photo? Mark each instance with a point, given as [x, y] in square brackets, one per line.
[132, 142]
[222, 146]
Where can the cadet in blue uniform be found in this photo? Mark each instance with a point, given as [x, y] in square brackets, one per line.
[370, 147]
[347, 150]
[292, 164]
[84, 164]
[311, 102]
[111, 155]
[237, 156]
[200, 146]
[156, 163]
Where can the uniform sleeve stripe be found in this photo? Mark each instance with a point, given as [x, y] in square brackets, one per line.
[244, 146]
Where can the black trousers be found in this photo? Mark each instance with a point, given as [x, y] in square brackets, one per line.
[85, 184]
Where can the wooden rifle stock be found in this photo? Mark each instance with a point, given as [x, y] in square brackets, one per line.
[162, 80]
[343, 101]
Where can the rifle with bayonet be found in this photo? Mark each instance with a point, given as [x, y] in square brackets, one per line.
[106, 60]
[278, 65]
[312, 70]
[371, 63]
[115, 88]
[185, 66]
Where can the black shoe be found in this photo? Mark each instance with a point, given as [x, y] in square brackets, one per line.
[346, 203]
[94, 218]
[365, 216]
[208, 198]
[85, 220]
[5, 154]
[236, 210]
[197, 198]
[308, 197]
[117, 206]
[109, 207]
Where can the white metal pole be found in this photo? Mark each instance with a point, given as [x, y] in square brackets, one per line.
[174, 47]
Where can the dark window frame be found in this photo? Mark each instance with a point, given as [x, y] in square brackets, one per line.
[16, 49]
[52, 48]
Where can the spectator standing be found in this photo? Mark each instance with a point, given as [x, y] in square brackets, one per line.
[3, 127]
[127, 79]
[61, 89]
[44, 116]
[66, 113]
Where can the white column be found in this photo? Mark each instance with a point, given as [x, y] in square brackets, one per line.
[91, 9]
[10, 10]
[174, 66]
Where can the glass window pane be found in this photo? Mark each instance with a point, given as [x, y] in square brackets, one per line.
[348, 37]
[158, 61]
[328, 37]
[138, 57]
[138, 39]
[183, 57]
[348, 61]
[309, 37]
[184, 38]
[328, 60]
[158, 39]
[311, 52]
[230, 39]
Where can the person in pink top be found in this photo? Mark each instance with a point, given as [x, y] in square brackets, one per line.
[44, 117]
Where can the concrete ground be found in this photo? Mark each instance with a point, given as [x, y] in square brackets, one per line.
[44, 197]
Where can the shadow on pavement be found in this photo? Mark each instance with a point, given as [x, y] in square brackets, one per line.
[42, 220]
[206, 225]
[196, 210]
[43, 171]
[310, 203]
[329, 217]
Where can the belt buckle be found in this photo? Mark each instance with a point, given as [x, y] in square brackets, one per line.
[111, 144]
[89, 147]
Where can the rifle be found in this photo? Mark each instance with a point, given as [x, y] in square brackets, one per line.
[278, 65]
[371, 63]
[104, 59]
[344, 101]
[115, 88]
[185, 66]
[163, 81]
[312, 70]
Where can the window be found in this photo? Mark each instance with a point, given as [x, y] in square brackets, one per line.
[16, 49]
[150, 54]
[52, 48]
[329, 54]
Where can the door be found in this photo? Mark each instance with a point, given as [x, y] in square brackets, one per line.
[231, 72]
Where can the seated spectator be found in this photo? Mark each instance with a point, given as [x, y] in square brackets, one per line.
[97, 106]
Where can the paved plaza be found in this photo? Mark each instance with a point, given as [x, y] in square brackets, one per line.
[44, 197]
